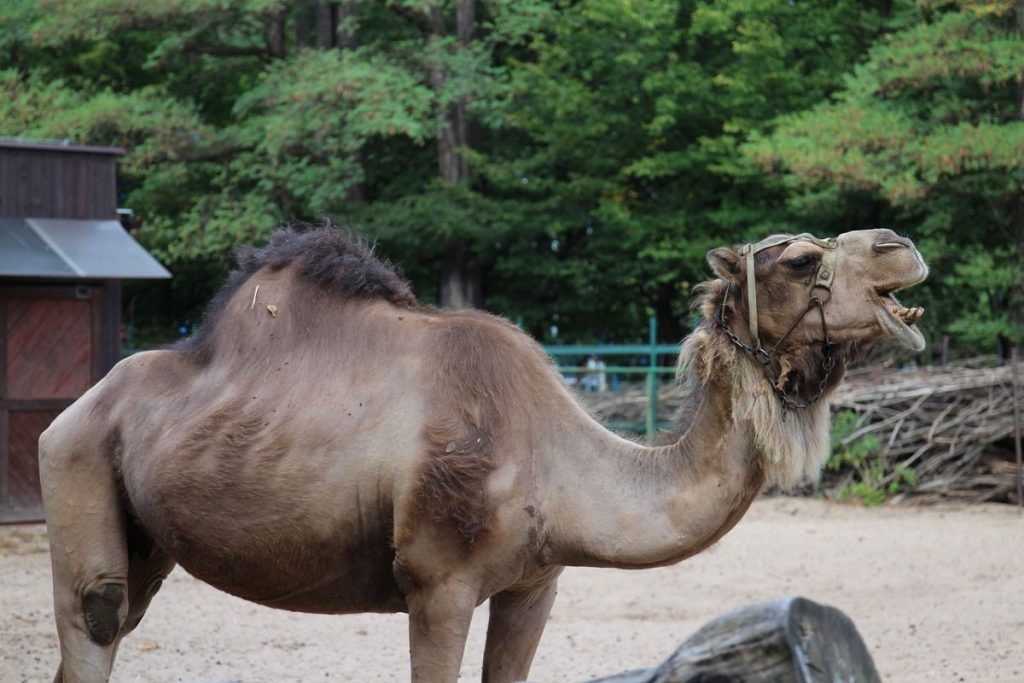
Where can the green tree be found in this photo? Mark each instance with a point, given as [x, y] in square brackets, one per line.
[280, 111]
[572, 160]
[927, 137]
[620, 149]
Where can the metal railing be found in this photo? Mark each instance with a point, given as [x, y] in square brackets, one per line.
[652, 370]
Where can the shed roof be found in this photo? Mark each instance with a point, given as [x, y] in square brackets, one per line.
[56, 247]
[57, 146]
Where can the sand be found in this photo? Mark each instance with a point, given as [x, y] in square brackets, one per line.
[936, 592]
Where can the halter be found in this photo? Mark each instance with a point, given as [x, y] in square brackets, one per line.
[822, 280]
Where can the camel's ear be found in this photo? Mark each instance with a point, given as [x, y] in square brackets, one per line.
[724, 262]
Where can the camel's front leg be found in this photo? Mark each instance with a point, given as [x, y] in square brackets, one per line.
[514, 630]
[439, 619]
[85, 522]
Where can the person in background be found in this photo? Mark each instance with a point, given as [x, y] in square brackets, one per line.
[595, 379]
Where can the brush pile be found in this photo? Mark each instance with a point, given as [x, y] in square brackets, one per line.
[629, 406]
[953, 426]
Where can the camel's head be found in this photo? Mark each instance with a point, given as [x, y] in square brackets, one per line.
[856, 276]
[777, 302]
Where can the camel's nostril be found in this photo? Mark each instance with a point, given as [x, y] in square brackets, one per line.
[891, 243]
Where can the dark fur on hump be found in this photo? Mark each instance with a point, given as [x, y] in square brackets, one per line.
[333, 260]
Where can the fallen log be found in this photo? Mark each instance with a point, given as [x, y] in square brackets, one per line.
[788, 640]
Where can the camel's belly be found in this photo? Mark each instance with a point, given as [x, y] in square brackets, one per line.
[254, 492]
[356, 578]
[280, 566]
[293, 538]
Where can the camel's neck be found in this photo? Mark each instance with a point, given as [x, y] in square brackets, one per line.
[623, 505]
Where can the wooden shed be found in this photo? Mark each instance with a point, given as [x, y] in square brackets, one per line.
[63, 254]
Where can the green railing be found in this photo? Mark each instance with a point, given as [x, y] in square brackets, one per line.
[651, 350]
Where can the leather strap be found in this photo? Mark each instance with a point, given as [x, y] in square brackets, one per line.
[824, 277]
[752, 297]
[827, 268]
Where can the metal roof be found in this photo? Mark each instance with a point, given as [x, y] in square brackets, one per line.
[57, 146]
[57, 247]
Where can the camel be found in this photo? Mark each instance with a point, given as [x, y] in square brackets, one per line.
[325, 443]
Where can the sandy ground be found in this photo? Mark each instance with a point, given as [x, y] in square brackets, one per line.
[937, 593]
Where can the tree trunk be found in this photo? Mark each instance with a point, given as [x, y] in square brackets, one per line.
[325, 22]
[345, 23]
[344, 17]
[789, 640]
[275, 34]
[452, 134]
[304, 24]
[461, 277]
[461, 273]
[1017, 291]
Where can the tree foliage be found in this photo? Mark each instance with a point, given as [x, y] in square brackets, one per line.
[611, 143]
[928, 129]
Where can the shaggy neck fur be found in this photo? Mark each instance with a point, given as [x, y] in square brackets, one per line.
[793, 445]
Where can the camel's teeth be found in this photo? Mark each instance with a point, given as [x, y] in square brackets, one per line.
[907, 315]
[910, 315]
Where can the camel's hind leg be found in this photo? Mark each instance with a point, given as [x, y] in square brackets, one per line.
[88, 550]
[516, 624]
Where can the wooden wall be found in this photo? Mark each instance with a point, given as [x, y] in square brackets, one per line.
[55, 342]
[45, 181]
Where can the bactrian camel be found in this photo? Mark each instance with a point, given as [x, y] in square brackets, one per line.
[325, 443]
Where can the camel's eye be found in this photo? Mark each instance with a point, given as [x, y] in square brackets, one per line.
[801, 263]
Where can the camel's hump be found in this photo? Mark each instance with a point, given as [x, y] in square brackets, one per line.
[330, 259]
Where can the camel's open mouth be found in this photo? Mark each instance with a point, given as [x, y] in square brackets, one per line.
[899, 320]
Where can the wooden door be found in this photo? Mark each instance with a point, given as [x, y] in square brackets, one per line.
[49, 347]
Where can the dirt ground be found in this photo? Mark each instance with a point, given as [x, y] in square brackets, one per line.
[937, 593]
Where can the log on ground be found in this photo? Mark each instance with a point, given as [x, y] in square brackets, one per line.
[788, 640]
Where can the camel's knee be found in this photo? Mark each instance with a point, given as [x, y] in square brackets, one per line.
[56, 458]
[47, 450]
[105, 608]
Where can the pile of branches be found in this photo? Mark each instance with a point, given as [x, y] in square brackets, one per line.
[953, 426]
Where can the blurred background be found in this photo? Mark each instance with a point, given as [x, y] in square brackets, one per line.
[566, 164]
